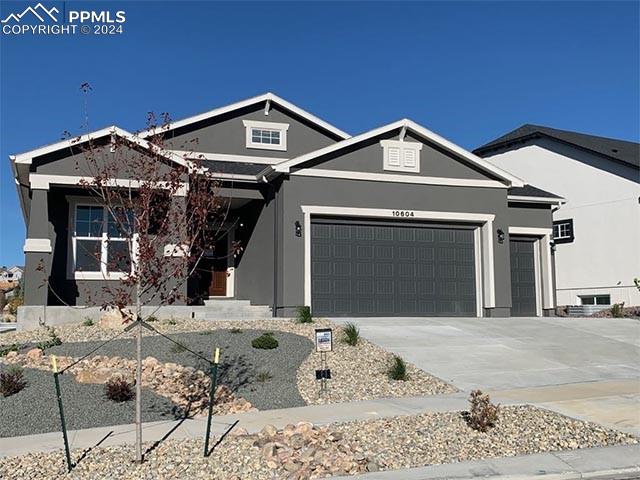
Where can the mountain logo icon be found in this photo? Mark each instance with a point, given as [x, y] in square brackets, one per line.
[39, 11]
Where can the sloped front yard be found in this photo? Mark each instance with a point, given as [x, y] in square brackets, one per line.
[175, 381]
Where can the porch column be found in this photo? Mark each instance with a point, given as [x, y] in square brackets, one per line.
[37, 249]
[174, 247]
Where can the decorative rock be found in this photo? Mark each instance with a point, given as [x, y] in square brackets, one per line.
[372, 467]
[268, 431]
[113, 319]
[33, 354]
[11, 355]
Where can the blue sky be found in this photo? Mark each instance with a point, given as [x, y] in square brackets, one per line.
[468, 71]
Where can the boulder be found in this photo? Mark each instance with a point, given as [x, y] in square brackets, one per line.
[268, 431]
[114, 319]
[34, 354]
[99, 375]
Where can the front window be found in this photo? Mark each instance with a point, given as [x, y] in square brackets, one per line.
[266, 135]
[563, 231]
[100, 242]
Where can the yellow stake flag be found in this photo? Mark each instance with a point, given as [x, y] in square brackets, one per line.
[54, 363]
[216, 356]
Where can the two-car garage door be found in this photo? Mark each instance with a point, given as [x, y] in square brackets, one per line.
[361, 268]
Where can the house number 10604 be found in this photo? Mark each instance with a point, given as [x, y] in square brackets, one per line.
[403, 213]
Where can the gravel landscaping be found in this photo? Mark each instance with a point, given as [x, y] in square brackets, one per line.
[358, 372]
[35, 408]
[303, 451]
[240, 363]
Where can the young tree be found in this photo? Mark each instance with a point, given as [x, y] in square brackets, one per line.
[155, 215]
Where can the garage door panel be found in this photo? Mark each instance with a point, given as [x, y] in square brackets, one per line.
[387, 270]
[523, 279]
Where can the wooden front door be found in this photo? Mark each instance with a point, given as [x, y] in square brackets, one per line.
[218, 285]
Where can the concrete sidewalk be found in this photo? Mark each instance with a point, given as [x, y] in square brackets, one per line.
[252, 422]
[619, 463]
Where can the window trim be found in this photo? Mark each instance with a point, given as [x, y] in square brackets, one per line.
[279, 127]
[566, 239]
[402, 145]
[103, 274]
[595, 299]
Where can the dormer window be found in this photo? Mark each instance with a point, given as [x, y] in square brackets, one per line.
[400, 156]
[266, 135]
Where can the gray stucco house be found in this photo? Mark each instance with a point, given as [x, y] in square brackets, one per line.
[396, 221]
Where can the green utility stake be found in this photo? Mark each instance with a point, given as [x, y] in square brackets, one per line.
[62, 421]
[214, 376]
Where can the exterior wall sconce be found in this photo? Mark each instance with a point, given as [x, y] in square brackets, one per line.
[553, 247]
[298, 228]
[501, 235]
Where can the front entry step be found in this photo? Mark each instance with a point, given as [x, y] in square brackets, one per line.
[231, 309]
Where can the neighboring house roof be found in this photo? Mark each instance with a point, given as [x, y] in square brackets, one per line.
[267, 98]
[618, 150]
[533, 194]
[412, 126]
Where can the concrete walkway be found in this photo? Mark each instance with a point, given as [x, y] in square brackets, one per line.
[252, 422]
[587, 368]
[619, 463]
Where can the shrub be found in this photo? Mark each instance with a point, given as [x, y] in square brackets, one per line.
[151, 319]
[118, 389]
[236, 330]
[177, 348]
[15, 302]
[617, 310]
[304, 315]
[53, 341]
[12, 381]
[264, 376]
[8, 348]
[206, 332]
[171, 321]
[351, 334]
[88, 322]
[266, 341]
[483, 414]
[398, 369]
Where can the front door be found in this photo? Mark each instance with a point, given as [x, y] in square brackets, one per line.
[218, 285]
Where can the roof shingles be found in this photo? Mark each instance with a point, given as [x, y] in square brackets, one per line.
[620, 150]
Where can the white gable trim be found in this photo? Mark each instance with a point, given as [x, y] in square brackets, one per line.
[27, 157]
[266, 97]
[397, 178]
[524, 199]
[509, 179]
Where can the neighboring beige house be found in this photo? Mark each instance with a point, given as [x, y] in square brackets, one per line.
[597, 232]
[13, 274]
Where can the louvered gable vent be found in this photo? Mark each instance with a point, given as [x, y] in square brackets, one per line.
[400, 156]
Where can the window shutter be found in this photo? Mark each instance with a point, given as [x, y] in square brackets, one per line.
[409, 158]
[393, 158]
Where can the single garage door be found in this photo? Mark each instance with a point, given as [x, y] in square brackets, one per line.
[523, 277]
[361, 268]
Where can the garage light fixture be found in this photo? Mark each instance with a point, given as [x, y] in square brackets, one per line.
[298, 227]
[501, 235]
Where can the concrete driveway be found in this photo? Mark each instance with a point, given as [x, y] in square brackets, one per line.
[587, 368]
